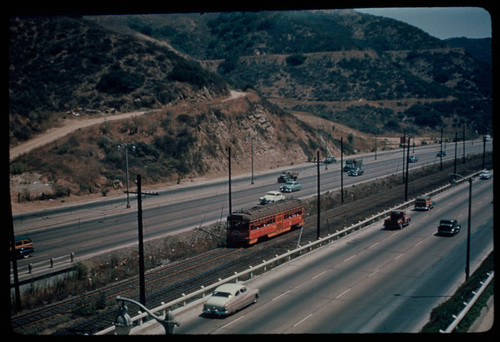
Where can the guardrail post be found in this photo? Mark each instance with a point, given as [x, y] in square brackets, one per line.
[51, 262]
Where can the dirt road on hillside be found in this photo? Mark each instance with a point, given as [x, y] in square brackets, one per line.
[71, 125]
[68, 126]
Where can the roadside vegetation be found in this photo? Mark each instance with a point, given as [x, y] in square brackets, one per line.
[442, 315]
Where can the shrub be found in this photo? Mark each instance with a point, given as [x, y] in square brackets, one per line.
[119, 82]
[295, 60]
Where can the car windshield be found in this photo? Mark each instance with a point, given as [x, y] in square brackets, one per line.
[221, 294]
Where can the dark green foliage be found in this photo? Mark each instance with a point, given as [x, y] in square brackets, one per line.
[120, 82]
[295, 60]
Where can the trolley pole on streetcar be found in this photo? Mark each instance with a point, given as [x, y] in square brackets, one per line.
[318, 217]
[142, 283]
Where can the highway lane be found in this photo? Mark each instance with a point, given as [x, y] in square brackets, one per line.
[96, 229]
[372, 281]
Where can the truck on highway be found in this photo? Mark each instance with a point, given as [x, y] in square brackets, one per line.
[424, 203]
[353, 164]
[397, 220]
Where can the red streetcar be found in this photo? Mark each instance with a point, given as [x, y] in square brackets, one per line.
[265, 221]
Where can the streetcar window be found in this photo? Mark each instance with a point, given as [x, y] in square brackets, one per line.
[238, 225]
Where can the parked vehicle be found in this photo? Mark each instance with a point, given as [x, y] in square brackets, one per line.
[413, 159]
[441, 154]
[485, 174]
[23, 247]
[246, 227]
[355, 172]
[448, 227]
[271, 196]
[351, 164]
[424, 203]
[287, 176]
[229, 298]
[397, 220]
[291, 186]
[330, 160]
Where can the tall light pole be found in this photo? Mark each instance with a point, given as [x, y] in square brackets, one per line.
[467, 258]
[125, 146]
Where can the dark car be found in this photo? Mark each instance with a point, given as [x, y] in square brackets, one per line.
[355, 172]
[413, 159]
[441, 154]
[448, 227]
[330, 160]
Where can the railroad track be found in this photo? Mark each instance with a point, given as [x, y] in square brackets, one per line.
[169, 282]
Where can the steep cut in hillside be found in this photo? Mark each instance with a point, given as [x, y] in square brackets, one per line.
[181, 141]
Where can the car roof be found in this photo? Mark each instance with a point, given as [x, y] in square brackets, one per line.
[229, 287]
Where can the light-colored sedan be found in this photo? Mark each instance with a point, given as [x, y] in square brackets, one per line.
[229, 298]
[271, 197]
[485, 174]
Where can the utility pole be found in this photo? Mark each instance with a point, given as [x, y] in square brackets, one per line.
[229, 162]
[142, 283]
[463, 138]
[441, 154]
[455, 162]
[13, 257]
[318, 217]
[404, 158]
[407, 167]
[341, 170]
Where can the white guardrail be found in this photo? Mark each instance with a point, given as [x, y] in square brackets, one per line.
[187, 301]
[468, 306]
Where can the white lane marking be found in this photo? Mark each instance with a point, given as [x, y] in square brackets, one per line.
[317, 275]
[236, 320]
[302, 320]
[343, 293]
[281, 295]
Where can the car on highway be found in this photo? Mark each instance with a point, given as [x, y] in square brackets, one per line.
[355, 172]
[424, 203]
[330, 160]
[413, 159]
[271, 196]
[485, 174]
[448, 226]
[23, 247]
[291, 186]
[441, 154]
[229, 298]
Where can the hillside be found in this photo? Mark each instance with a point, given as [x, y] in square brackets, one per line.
[306, 77]
[407, 78]
[65, 64]
[176, 144]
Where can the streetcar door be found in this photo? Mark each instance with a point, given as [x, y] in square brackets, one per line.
[279, 221]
